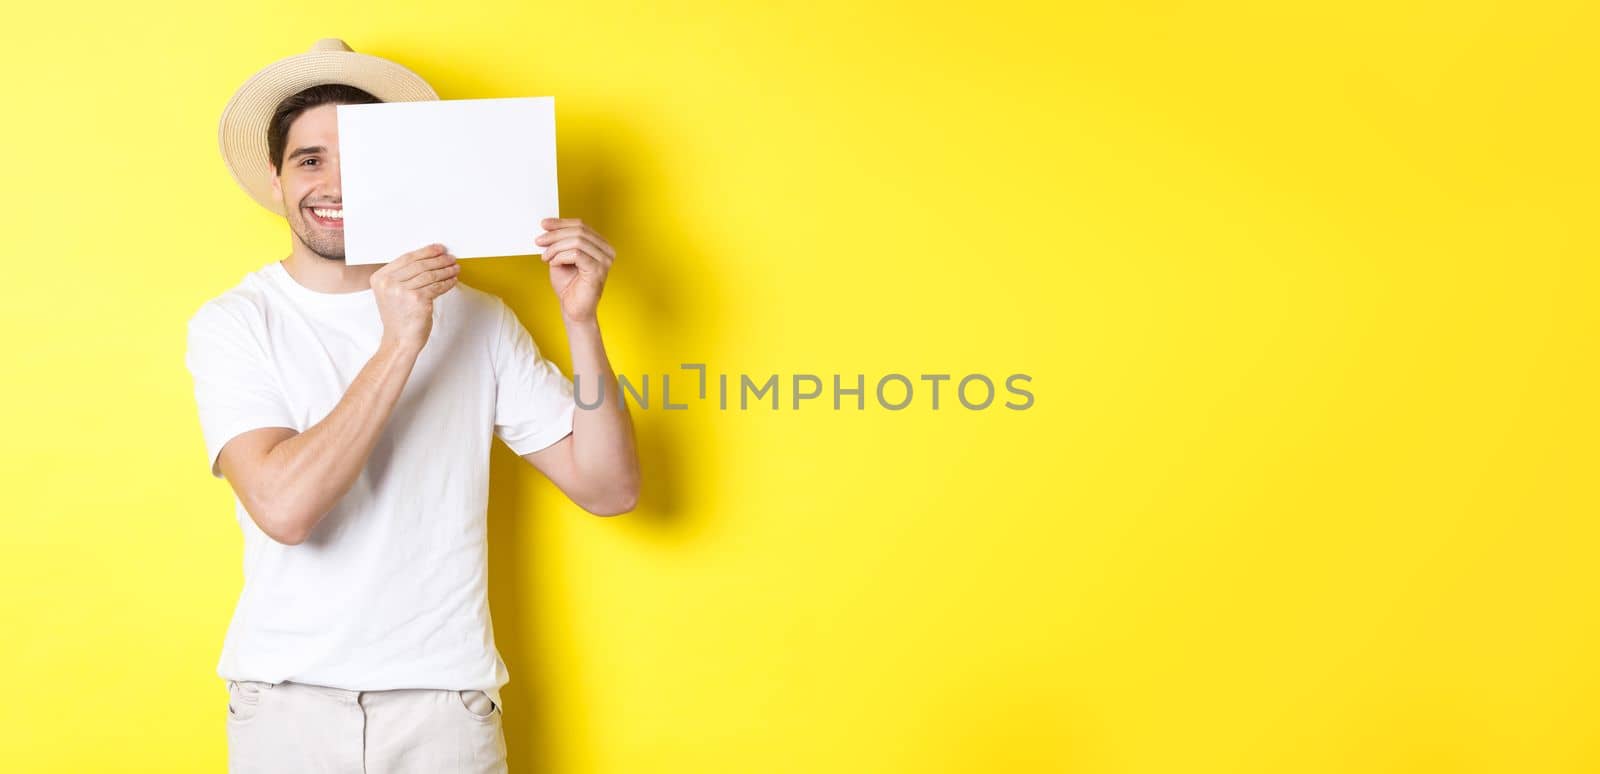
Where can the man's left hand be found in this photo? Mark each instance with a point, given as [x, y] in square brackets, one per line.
[579, 260]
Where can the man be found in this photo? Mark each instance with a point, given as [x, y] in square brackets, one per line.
[352, 410]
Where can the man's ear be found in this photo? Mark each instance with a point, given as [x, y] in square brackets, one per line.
[277, 190]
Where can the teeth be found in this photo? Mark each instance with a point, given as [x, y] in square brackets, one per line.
[330, 214]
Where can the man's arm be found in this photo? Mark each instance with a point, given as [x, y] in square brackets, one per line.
[288, 481]
[597, 465]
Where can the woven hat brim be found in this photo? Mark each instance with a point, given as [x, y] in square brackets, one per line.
[242, 131]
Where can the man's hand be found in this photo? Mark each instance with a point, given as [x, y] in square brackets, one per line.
[579, 261]
[405, 289]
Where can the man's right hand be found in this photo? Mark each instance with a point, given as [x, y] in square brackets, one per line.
[405, 289]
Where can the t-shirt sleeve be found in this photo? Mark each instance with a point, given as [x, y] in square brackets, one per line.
[234, 387]
[533, 400]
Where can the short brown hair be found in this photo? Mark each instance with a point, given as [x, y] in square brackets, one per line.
[291, 108]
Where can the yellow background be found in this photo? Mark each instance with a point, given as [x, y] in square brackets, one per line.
[1307, 296]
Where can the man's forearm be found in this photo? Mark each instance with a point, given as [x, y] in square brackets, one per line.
[602, 437]
[310, 471]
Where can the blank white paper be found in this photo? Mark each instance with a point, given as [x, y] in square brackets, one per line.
[476, 175]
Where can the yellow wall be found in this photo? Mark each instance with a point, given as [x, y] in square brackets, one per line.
[1307, 296]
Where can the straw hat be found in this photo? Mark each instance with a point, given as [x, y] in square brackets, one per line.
[242, 132]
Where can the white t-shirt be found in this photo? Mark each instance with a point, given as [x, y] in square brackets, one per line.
[390, 590]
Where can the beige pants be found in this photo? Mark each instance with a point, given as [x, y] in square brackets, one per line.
[299, 727]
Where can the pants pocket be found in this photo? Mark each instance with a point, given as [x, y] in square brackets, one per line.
[478, 704]
[245, 699]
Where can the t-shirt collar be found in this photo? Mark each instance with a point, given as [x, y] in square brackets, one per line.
[279, 275]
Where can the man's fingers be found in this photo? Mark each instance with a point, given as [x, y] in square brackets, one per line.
[404, 274]
[427, 251]
[577, 243]
[415, 255]
[430, 276]
[584, 232]
[436, 289]
[579, 258]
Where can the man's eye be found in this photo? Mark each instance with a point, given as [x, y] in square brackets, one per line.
[307, 161]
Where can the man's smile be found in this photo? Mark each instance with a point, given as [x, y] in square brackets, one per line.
[329, 217]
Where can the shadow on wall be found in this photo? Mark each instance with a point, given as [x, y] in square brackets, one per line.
[598, 185]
